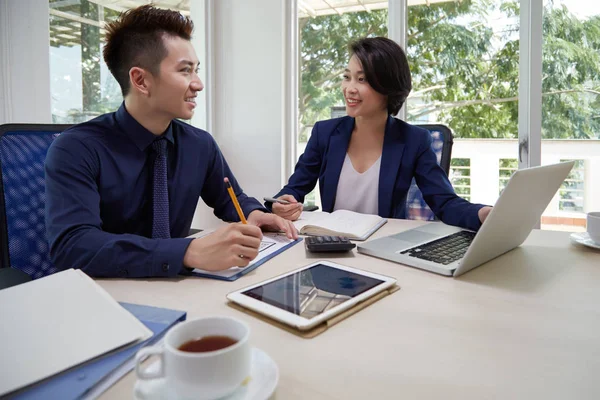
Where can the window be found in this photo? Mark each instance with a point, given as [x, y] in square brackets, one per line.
[465, 63]
[324, 34]
[80, 83]
[571, 191]
[460, 177]
[508, 166]
[571, 107]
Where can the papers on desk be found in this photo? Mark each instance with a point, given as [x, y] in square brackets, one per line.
[57, 322]
[271, 245]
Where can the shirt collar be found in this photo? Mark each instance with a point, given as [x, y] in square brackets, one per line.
[141, 136]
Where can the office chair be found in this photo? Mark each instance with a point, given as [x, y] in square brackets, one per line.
[416, 208]
[23, 243]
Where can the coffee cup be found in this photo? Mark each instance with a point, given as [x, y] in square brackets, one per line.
[205, 358]
[593, 226]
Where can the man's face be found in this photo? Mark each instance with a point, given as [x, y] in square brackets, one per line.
[173, 91]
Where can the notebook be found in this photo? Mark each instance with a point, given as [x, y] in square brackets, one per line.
[91, 379]
[271, 245]
[54, 323]
[351, 224]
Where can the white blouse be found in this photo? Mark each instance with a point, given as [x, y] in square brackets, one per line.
[358, 192]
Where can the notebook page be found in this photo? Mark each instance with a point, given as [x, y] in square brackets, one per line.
[57, 322]
[310, 218]
[351, 223]
[340, 222]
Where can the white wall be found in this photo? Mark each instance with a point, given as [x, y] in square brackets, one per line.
[200, 13]
[24, 61]
[248, 90]
[245, 89]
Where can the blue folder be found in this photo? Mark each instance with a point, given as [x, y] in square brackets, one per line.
[243, 271]
[76, 382]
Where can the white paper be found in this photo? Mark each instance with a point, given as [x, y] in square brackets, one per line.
[271, 243]
[57, 322]
[340, 222]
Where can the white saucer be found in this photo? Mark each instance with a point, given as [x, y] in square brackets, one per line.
[264, 375]
[584, 239]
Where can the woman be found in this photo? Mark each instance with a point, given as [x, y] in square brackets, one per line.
[365, 162]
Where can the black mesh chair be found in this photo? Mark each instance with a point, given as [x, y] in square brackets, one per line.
[23, 149]
[416, 208]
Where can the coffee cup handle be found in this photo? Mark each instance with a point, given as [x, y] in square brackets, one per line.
[145, 353]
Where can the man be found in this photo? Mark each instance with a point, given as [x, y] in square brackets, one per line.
[121, 190]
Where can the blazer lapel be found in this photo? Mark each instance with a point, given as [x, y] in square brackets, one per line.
[393, 148]
[338, 146]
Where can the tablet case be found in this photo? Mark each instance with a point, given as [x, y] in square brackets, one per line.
[311, 333]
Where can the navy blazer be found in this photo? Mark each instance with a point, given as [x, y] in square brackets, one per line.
[99, 191]
[406, 154]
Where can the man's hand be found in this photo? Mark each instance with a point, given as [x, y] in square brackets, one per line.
[234, 245]
[483, 213]
[273, 222]
[288, 211]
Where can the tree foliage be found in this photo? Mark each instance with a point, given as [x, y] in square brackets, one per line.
[465, 68]
[324, 55]
[96, 99]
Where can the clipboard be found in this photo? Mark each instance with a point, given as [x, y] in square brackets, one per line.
[317, 330]
[232, 274]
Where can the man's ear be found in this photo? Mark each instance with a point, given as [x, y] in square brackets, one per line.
[140, 80]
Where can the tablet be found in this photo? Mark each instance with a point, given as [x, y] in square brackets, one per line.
[310, 295]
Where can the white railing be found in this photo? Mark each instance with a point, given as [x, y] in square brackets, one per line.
[485, 156]
[486, 181]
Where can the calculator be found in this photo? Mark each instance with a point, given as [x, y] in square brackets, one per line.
[318, 244]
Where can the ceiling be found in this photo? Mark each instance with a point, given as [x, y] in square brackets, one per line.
[313, 8]
[67, 16]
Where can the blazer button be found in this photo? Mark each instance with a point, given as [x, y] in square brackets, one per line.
[123, 272]
[165, 267]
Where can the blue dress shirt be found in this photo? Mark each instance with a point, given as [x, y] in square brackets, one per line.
[406, 155]
[99, 195]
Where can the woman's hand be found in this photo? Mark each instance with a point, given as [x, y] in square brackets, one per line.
[288, 211]
[483, 213]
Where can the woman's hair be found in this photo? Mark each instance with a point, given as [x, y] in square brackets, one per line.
[135, 39]
[386, 69]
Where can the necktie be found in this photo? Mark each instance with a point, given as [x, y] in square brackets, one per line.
[160, 220]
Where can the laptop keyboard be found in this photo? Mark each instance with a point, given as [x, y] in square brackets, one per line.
[445, 250]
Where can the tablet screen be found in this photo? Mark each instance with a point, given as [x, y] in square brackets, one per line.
[312, 291]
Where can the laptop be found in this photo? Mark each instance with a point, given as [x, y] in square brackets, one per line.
[452, 251]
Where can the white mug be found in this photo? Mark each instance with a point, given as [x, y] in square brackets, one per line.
[593, 226]
[201, 375]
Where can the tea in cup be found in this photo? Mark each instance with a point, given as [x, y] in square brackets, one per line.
[205, 358]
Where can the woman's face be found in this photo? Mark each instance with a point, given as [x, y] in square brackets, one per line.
[361, 99]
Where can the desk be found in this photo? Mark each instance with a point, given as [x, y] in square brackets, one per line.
[525, 325]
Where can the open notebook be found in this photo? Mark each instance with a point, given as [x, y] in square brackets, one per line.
[353, 225]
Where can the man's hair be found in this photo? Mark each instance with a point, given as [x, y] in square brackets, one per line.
[135, 39]
[386, 69]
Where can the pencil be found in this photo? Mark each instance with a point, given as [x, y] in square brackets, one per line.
[236, 204]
